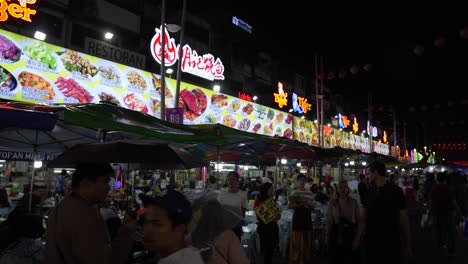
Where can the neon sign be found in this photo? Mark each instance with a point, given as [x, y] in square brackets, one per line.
[20, 10]
[355, 125]
[384, 137]
[343, 121]
[281, 98]
[245, 96]
[300, 104]
[205, 66]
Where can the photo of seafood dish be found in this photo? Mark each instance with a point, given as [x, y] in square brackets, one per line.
[38, 51]
[157, 86]
[248, 109]
[74, 62]
[72, 89]
[212, 117]
[42, 87]
[219, 100]
[8, 50]
[244, 124]
[301, 137]
[289, 119]
[267, 130]
[135, 79]
[7, 80]
[315, 139]
[133, 102]
[257, 127]
[229, 121]
[194, 103]
[279, 118]
[156, 106]
[235, 105]
[110, 74]
[108, 98]
[287, 133]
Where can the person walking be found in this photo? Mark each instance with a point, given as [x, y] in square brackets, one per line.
[76, 233]
[383, 219]
[342, 219]
[268, 232]
[301, 200]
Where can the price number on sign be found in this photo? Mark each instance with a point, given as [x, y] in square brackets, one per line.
[174, 115]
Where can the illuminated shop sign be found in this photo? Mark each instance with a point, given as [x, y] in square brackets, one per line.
[205, 66]
[384, 137]
[355, 125]
[299, 104]
[281, 98]
[343, 121]
[242, 24]
[245, 96]
[19, 10]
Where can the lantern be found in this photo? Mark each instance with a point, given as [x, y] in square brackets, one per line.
[418, 50]
[354, 69]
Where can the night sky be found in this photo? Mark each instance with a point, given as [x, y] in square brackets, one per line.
[407, 54]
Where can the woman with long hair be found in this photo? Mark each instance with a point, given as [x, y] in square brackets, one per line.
[302, 201]
[268, 232]
[342, 219]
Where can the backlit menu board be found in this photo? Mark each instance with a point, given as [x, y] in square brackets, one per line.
[37, 72]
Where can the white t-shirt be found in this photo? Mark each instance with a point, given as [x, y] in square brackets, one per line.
[234, 201]
[183, 256]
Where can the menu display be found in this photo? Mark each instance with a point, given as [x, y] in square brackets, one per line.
[203, 106]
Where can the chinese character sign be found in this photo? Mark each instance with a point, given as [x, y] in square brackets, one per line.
[300, 104]
[281, 98]
[205, 66]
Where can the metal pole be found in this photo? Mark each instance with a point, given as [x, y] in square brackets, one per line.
[31, 187]
[163, 60]
[404, 136]
[321, 101]
[369, 117]
[395, 133]
[179, 59]
[317, 101]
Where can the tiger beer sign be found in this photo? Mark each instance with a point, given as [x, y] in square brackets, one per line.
[20, 10]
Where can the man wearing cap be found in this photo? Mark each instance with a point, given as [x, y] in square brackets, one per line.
[166, 219]
[76, 232]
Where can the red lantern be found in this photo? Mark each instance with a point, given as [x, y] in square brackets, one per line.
[368, 67]
[354, 69]
[418, 50]
[464, 33]
[440, 42]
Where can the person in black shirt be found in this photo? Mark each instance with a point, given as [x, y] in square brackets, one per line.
[362, 188]
[383, 219]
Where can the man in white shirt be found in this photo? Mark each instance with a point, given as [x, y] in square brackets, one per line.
[166, 219]
[235, 200]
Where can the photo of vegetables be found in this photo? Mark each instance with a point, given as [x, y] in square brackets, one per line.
[39, 52]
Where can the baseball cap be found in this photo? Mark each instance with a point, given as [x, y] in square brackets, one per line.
[176, 204]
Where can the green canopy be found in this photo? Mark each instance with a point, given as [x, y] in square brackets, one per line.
[111, 117]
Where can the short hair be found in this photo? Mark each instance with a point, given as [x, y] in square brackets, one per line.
[300, 176]
[91, 171]
[233, 173]
[378, 167]
[362, 176]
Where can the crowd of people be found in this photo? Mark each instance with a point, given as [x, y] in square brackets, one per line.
[87, 226]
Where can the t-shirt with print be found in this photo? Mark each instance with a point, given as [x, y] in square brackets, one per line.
[183, 256]
[383, 217]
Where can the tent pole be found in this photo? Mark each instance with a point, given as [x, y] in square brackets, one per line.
[33, 172]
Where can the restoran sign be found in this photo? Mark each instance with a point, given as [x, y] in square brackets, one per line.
[19, 10]
[205, 66]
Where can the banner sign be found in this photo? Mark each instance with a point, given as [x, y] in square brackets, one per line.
[107, 51]
[205, 66]
[26, 156]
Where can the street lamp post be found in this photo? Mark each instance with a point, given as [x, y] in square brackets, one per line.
[179, 61]
[163, 61]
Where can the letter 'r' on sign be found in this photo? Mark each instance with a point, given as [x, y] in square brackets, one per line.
[16, 10]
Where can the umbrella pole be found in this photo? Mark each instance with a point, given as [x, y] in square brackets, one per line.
[33, 172]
